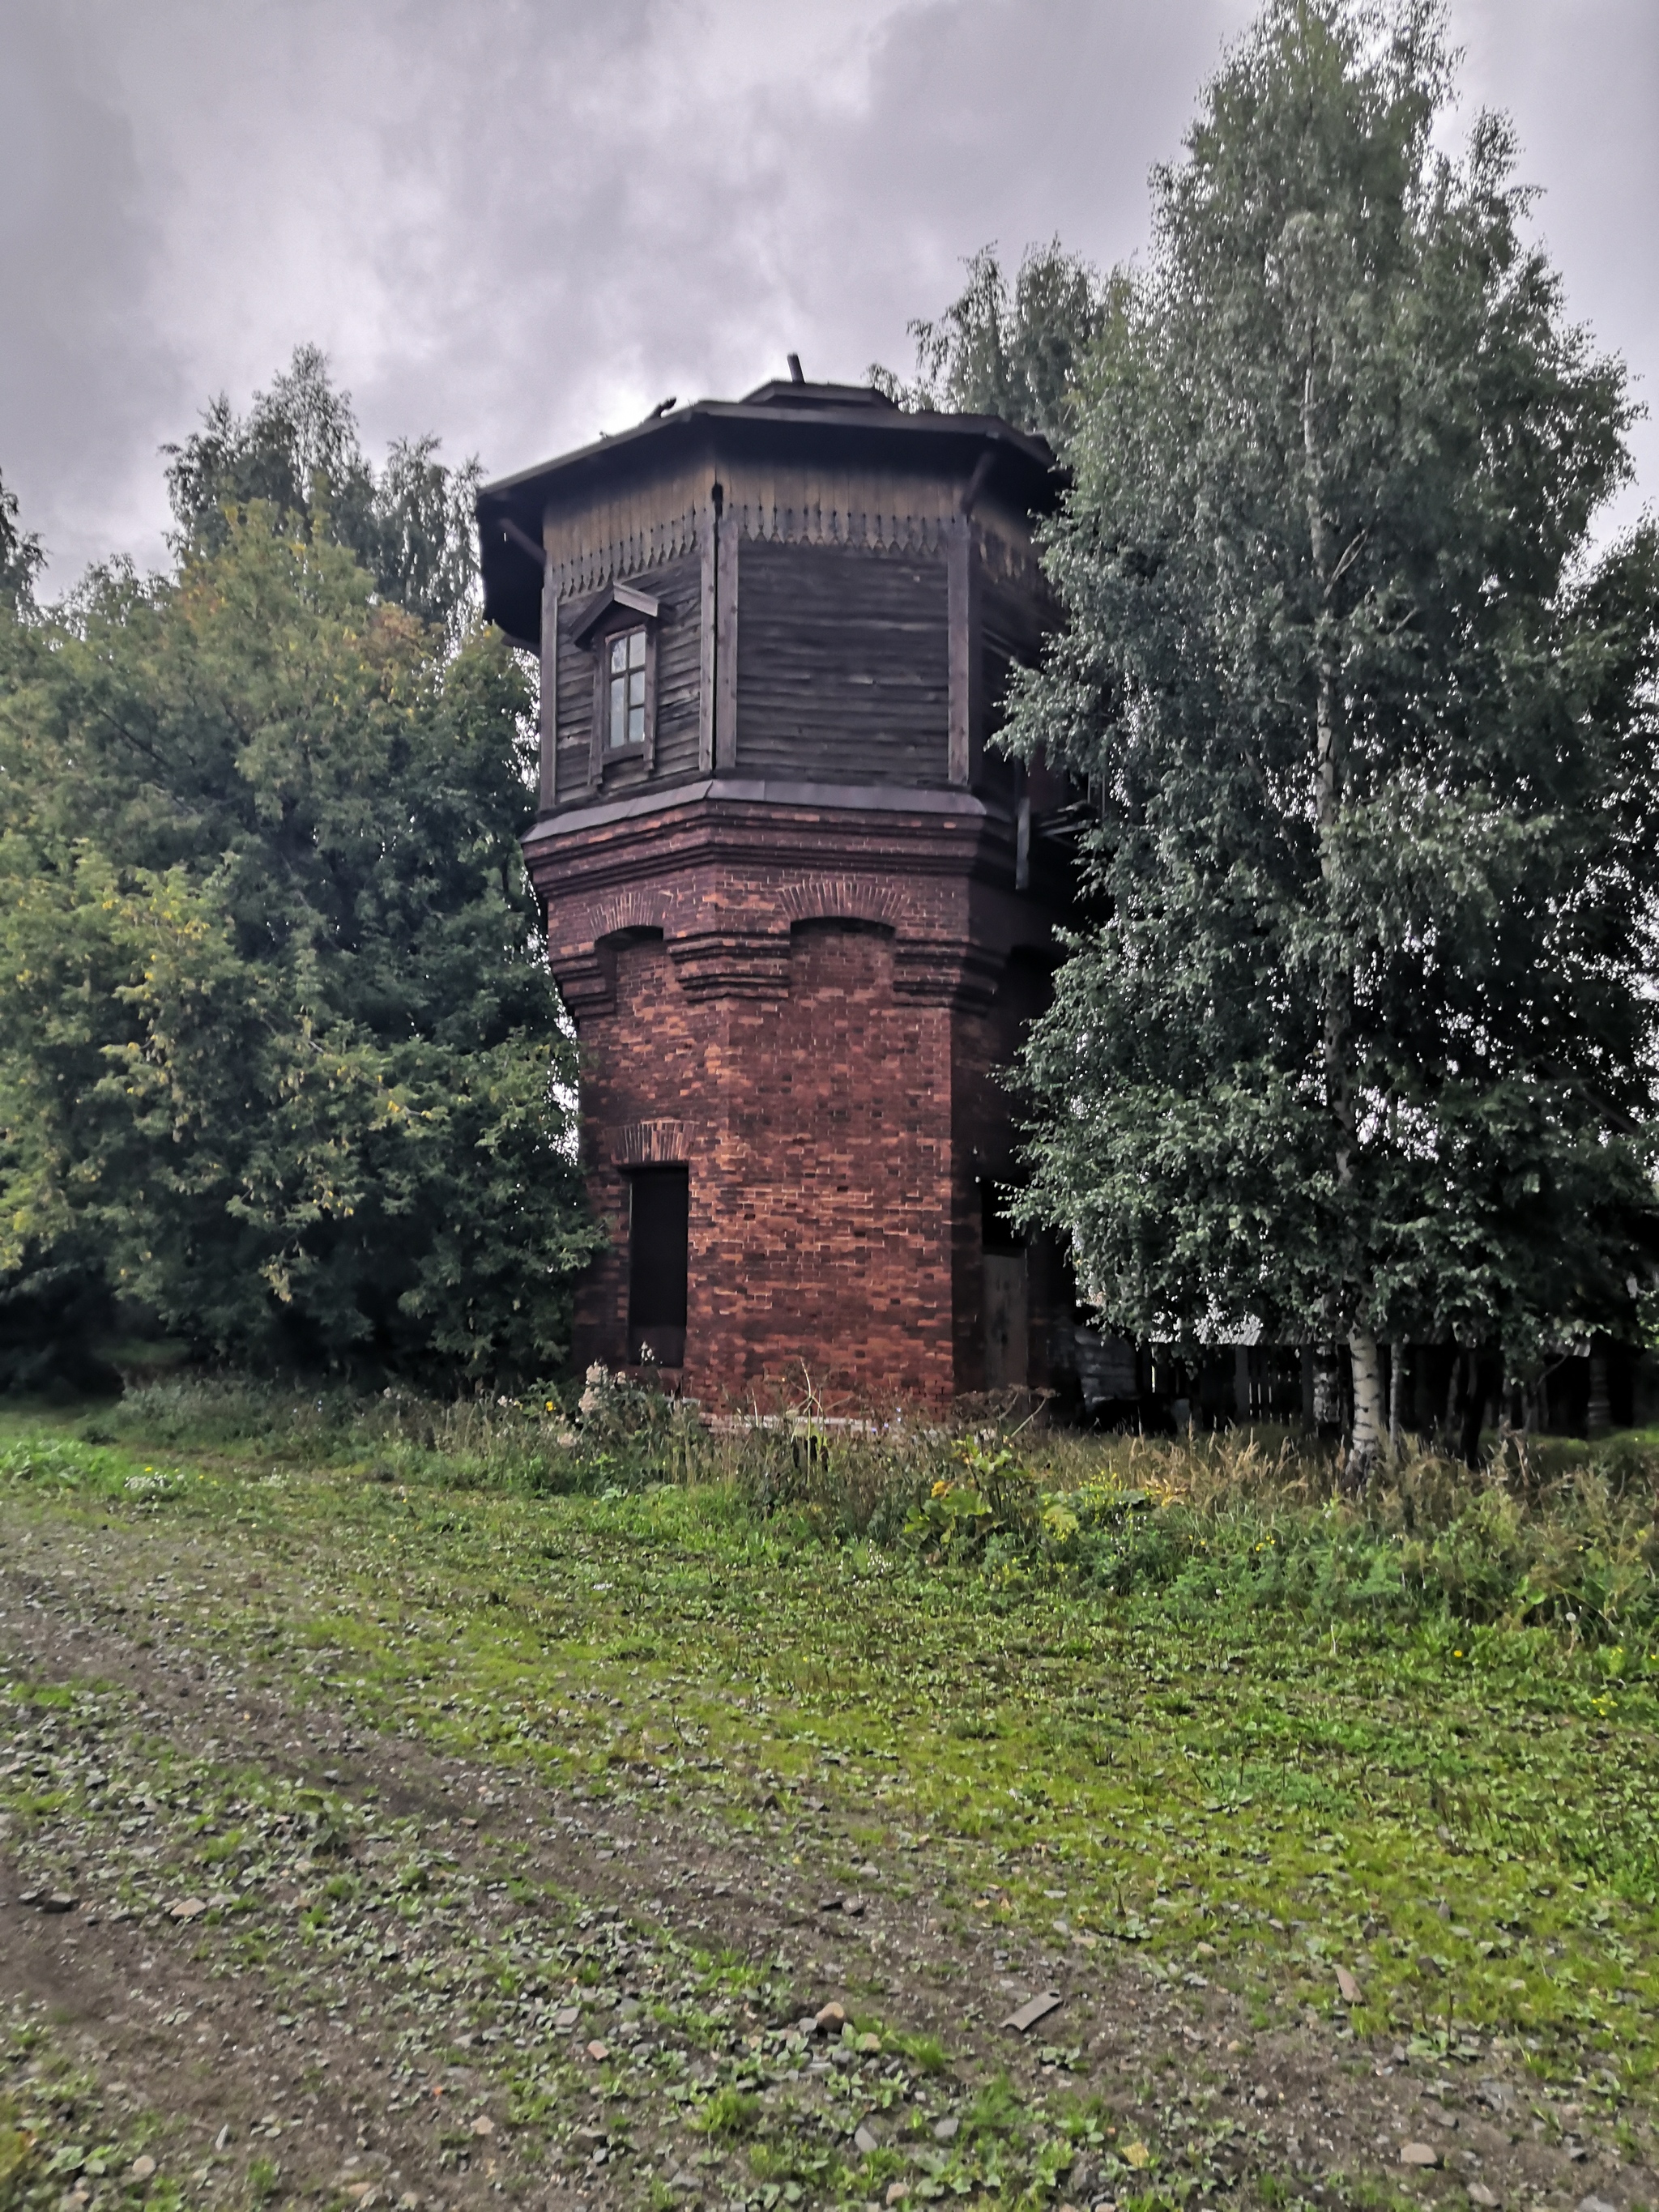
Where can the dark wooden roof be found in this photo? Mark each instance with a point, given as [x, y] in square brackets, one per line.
[845, 424]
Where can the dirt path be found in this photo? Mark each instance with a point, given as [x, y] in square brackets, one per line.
[314, 1961]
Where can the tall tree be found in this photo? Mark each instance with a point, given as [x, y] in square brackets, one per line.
[276, 1043]
[1361, 1044]
[20, 557]
[297, 449]
[1007, 350]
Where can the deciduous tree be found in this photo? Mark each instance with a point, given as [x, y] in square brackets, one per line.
[1007, 350]
[276, 1043]
[1360, 1045]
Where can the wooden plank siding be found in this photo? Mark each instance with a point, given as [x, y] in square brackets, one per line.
[859, 630]
[842, 664]
[729, 538]
[676, 585]
[966, 738]
[708, 579]
[550, 691]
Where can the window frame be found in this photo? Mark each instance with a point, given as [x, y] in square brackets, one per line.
[631, 667]
[622, 620]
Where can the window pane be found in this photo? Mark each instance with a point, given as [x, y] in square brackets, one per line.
[636, 648]
[637, 725]
[636, 688]
[619, 710]
[619, 653]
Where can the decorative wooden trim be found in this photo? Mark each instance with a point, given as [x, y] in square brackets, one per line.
[595, 566]
[726, 648]
[549, 756]
[706, 648]
[1002, 554]
[627, 597]
[828, 526]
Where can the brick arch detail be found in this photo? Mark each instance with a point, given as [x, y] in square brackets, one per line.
[646, 908]
[843, 898]
[648, 1144]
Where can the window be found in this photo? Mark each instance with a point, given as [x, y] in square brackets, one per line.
[619, 628]
[659, 1217]
[626, 718]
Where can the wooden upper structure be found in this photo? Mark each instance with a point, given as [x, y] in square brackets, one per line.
[778, 648]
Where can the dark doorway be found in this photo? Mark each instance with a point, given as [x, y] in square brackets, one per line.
[1007, 1344]
[659, 1208]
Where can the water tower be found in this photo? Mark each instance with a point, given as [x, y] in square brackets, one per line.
[797, 910]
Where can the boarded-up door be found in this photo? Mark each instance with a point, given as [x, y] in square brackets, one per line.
[1007, 1355]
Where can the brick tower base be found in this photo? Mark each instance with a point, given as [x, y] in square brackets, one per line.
[801, 994]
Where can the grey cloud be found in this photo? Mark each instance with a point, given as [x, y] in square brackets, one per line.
[84, 376]
[517, 223]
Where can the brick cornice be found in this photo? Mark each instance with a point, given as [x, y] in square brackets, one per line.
[724, 874]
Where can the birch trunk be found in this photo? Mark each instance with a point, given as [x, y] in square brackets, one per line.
[1369, 1413]
[1397, 1358]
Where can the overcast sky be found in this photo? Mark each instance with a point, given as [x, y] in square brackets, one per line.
[517, 222]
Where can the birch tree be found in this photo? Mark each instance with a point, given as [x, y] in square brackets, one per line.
[1359, 1043]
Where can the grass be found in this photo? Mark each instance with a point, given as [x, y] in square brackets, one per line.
[57, 2138]
[1172, 1702]
[443, 1978]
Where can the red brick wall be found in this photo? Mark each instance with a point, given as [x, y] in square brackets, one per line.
[821, 1170]
[806, 1009]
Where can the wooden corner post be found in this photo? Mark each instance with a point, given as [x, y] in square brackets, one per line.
[963, 638]
[549, 695]
[708, 567]
[728, 537]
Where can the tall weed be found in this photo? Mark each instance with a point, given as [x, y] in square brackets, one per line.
[1544, 1532]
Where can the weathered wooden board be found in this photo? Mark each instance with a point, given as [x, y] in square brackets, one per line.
[678, 584]
[843, 665]
[581, 763]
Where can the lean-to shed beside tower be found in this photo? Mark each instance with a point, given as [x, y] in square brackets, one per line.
[797, 910]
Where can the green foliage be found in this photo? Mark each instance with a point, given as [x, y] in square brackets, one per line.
[995, 1503]
[729, 2113]
[1360, 1039]
[19, 2156]
[60, 2141]
[263, 2172]
[1013, 352]
[21, 556]
[1557, 1534]
[297, 450]
[275, 1040]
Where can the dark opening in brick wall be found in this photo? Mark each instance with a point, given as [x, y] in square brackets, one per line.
[659, 1206]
